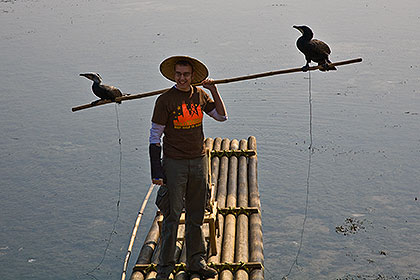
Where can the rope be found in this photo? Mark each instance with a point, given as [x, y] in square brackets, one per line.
[242, 266]
[311, 151]
[230, 153]
[119, 197]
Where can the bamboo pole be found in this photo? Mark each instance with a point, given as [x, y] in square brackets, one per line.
[214, 171]
[285, 71]
[228, 251]
[221, 196]
[119, 99]
[241, 246]
[134, 233]
[222, 81]
[255, 233]
[147, 249]
[182, 275]
[155, 260]
[179, 242]
[223, 175]
[215, 161]
[208, 144]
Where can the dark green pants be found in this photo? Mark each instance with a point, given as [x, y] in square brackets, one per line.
[185, 178]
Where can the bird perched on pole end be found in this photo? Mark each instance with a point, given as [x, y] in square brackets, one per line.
[104, 92]
[313, 49]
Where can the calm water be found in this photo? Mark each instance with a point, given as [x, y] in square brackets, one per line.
[59, 170]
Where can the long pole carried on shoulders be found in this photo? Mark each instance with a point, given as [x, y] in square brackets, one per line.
[222, 81]
[134, 233]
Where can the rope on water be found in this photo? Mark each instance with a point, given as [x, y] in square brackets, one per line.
[118, 200]
[308, 177]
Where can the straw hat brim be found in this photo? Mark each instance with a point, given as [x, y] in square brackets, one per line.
[167, 68]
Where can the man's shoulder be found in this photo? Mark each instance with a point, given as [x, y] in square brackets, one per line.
[168, 91]
[166, 94]
[199, 90]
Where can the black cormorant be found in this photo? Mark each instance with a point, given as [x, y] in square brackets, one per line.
[313, 49]
[100, 90]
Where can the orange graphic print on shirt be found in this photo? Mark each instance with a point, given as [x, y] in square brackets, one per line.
[188, 116]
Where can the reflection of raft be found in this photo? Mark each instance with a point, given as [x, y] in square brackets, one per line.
[233, 225]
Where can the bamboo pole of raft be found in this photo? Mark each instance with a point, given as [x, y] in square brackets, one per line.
[147, 249]
[222, 81]
[221, 195]
[179, 242]
[215, 161]
[228, 251]
[155, 260]
[208, 144]
[241, 246]
[134, 233]
[255, 238]
[182, 275]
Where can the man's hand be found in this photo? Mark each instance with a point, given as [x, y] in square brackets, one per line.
[157, 182]
[220, 106]
[208, 84]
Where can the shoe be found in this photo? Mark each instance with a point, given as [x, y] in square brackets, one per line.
[163, 272]
[162, 276]
[206, 272]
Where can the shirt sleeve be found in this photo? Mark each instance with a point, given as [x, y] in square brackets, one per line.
[209, 103]
[215, 115]
[156, 131]
[160, 113]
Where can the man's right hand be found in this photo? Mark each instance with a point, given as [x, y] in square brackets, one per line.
[157, 181]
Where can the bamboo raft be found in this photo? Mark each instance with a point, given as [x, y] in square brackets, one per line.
[232, 225]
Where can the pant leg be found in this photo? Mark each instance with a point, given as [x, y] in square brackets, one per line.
[195, 203]
[176, 172]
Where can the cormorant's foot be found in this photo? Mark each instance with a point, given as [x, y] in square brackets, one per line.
[305, 68]
[324, 67]
[115, 100]
[330, 67]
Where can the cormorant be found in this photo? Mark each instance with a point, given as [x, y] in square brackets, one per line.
[100, 90]
[313, 49]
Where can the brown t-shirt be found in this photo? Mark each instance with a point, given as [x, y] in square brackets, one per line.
[182, 114]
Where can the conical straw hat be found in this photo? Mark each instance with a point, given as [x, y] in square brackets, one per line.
[167, 68]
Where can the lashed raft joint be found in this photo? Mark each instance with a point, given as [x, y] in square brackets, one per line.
[233, 267]
[231, 153]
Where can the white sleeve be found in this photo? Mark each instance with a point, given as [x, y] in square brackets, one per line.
[156, 132]
[215, 115]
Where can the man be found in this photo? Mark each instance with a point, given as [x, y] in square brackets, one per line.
[178, 115]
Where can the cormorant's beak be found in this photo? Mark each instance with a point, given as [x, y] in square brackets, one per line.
[86, 75]
[298, 28]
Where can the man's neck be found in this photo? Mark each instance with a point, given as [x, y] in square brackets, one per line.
[186, 89]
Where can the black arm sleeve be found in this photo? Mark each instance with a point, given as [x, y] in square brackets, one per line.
[155, 161]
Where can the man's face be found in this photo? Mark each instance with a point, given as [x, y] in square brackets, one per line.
[183, 77]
